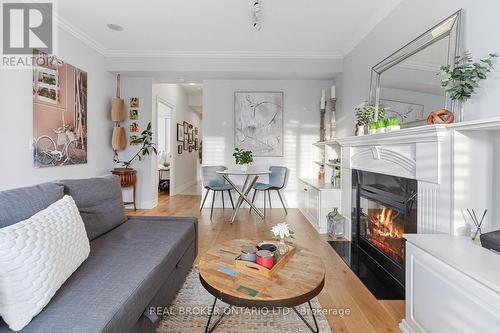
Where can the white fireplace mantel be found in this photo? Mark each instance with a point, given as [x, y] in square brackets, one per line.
[433, 133]
[421, 153]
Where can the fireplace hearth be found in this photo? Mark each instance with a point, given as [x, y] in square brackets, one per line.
[384, 208]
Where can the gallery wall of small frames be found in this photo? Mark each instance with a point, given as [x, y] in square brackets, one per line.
[134, 120]
[187, 135]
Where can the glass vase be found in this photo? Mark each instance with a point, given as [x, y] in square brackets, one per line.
[282, 247]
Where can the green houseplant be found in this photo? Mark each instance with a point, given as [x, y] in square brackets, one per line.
[243, 158]
[148, 146]
[392, 124]
[365, 114]
[461, 79]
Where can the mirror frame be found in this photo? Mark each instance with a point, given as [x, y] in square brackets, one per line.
[449, 27]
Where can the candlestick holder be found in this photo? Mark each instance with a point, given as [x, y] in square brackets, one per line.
[333, 119]
[322, 131]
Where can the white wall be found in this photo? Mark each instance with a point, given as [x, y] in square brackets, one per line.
[407, 21]
[184, 168]
[301, 127]
[146, 182]
[16, 117]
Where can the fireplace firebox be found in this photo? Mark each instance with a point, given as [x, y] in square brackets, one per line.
[384, 207]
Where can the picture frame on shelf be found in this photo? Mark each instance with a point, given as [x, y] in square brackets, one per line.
[196, 146]
[179, 149]
[185, 144]
[185, 124]
[190, 149]
[190, 138]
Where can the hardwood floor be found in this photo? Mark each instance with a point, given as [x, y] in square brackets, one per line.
[342, 290]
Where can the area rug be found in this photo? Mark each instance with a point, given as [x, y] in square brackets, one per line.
[189, 314]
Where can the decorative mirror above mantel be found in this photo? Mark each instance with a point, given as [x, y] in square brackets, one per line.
[407, 81]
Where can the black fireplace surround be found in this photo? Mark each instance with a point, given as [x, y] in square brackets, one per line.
[383, 208]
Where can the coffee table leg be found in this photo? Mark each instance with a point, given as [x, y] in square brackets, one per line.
[207, 330]
[304, 320]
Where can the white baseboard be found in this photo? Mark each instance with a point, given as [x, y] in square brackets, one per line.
[405, 328]
[143, 205]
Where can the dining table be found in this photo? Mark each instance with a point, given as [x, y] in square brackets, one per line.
[251, 178]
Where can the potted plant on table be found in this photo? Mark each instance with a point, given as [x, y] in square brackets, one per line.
[243, 158]
[461, 79]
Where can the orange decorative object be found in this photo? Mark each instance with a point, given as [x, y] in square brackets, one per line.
[440, 116]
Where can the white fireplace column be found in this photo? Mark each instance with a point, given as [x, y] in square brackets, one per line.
[420, 153]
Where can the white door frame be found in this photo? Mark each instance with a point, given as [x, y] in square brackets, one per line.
[173, 139]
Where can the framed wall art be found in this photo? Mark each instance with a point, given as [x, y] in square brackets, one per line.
[59, 112]
[258, 122]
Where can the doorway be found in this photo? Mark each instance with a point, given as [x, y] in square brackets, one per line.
[164, 146]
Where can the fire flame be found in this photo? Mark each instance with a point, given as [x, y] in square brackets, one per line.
[385, 224]
[386, 233]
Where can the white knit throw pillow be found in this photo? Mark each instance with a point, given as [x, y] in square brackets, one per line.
[37, 256]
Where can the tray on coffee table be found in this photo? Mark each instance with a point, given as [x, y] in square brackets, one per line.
[251, 267]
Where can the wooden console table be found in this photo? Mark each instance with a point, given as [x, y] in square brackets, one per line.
[128, 178]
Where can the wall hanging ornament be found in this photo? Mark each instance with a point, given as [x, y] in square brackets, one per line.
[118, 140]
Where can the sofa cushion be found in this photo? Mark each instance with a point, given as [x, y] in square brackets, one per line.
[114, 286]
[21, 203]
[99, 201]
[36, 256]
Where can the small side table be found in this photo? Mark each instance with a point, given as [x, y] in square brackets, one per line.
[128, 178]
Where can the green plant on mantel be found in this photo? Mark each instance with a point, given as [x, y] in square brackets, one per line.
[461, 79]
[148, 146]
[243, 156]
[365, 113]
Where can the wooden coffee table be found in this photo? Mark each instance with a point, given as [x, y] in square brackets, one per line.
[299, 281]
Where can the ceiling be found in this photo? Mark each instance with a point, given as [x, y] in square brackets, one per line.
[315, 28]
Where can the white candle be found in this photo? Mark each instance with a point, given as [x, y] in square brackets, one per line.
[323, 99]
[333, 92]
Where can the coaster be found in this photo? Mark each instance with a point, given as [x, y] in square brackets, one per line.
[247, 290]
[228, 271]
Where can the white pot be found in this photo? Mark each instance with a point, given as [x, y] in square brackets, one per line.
[393, 128]
[244, 167]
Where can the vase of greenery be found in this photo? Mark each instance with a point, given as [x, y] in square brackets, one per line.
[461, 79]
[365, 114]
[243, 158]
[148, 147]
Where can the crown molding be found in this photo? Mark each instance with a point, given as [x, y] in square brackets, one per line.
[224, 54]
[92, 43]
[80, 35]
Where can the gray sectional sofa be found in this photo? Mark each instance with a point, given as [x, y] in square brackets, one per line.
[135, 262]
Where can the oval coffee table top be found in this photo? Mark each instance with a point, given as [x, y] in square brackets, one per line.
[300, 280]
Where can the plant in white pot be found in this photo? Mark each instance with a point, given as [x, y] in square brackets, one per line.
[243, 158]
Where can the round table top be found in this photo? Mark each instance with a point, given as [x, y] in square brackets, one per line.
[239, 172]
[300, 280]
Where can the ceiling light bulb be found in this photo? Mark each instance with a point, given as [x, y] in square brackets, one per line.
[115, 27]
[192, 84]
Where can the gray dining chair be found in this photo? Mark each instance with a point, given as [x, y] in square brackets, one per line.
[212, 181]
[277, 181]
